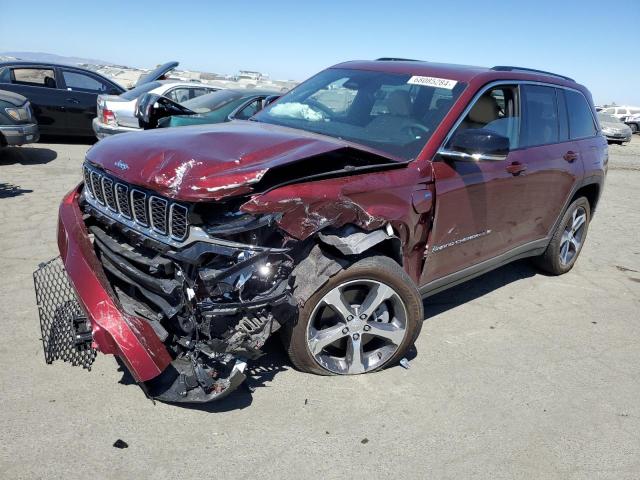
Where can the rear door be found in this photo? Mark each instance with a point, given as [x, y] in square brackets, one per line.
[40, 85]
[551, 158]
[583, 131]
[81, 92]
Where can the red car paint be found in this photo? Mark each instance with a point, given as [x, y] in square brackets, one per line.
[114, 331]
[427, 202]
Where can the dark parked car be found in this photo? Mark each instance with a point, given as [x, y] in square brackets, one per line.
[157, 111]
[17, 124]
[63, 97]
[328, 216]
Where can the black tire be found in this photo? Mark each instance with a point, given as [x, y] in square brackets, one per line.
[550, 261]
[378, 268]
[633, 127]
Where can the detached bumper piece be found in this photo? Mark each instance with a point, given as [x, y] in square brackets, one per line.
[66, 331]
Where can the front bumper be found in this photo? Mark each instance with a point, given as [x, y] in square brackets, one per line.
[618, 137]
[20, 134]
[114, 331]
[102, 130]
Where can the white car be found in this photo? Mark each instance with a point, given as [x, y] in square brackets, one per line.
[621, 112]
[116, 113]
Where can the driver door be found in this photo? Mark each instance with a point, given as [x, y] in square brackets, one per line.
[478, 202]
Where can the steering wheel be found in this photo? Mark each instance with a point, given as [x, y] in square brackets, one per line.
[316, 105]
[414, 128]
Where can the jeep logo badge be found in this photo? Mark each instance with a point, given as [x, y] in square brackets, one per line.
[121, 165]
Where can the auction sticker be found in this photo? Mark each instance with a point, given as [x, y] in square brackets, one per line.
[432, 82]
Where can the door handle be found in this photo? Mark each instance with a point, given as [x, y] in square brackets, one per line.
[570, 156]
[73, 100]
[516, 168]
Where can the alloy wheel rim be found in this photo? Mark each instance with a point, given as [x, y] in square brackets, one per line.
[573, 236]
[357, 327]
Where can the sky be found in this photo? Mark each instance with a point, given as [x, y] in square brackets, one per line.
[597, 42]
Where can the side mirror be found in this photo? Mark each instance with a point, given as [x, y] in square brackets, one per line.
[473, 144]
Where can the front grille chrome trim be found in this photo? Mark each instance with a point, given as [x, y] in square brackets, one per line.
[157, 217]
[158, 222]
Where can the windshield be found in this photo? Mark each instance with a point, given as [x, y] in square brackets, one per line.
[212, 101]
[607, 118]
[393, 113]
[136, 92]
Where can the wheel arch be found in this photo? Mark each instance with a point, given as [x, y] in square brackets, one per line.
[351, 241]
[591, 192]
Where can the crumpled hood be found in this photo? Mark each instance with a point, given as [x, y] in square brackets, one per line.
[206, 162]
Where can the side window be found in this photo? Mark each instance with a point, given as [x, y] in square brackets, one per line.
[198, 91]
[496, 110]
[540, 124]
[610, 110]
[563, 118]
[250, 110]
[37, 77]
[178, 95]
[621, 111]
[581, 124]
[336, 97]
[80, 81]
[5, 75]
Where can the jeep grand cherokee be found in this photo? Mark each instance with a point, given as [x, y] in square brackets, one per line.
[327, 216]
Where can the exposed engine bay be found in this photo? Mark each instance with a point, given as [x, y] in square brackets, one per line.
[213, 304]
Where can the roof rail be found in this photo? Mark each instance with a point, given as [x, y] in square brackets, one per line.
[505, 68]
[395, 59]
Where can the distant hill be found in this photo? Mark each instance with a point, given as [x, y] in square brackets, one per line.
[53, 58]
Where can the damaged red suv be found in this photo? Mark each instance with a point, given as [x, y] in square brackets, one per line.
[328, 217]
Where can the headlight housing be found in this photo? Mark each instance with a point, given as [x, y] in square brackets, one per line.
[19, 114]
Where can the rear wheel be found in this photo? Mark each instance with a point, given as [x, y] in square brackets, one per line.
[633, 127]
[567, 242]
[364, 318]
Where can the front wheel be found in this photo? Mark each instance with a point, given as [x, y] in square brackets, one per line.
[566, 244]
[364, 318]
[633, 127]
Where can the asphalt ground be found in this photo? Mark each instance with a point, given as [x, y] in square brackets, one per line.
[515, 375]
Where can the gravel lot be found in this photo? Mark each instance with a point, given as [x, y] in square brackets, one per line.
[517, 375]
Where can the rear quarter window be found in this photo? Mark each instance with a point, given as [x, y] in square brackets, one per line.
[581, 123]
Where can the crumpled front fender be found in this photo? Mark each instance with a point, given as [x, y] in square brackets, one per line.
[114, 331]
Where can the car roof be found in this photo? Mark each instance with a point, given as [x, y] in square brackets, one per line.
[460, 73]
[181, 83]
[42, 64]
[26, 63]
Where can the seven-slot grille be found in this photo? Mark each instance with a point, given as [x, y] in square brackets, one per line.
[149, 211]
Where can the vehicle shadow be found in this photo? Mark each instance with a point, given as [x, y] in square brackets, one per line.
[26, 155]
[259, 373]
[263, 370]
[476, 288]
[7, 190]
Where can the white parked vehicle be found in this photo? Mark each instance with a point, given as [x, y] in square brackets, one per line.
[622, 111]
[633, 121]
[117, 113]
